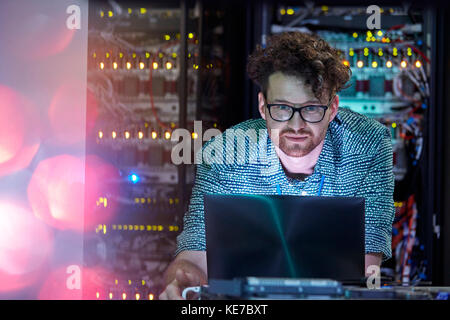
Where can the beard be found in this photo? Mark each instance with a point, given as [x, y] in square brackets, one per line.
[297, 149]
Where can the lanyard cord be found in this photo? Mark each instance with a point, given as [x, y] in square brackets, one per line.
[321, 185]
[278, 189]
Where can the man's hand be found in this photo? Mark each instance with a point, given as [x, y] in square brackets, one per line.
[182, 280]
[187, 270]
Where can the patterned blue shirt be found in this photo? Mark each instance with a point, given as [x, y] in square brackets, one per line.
[355, 161]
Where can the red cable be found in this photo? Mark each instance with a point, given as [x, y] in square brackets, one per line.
[420, 53]
[398, 26]
[415, 50]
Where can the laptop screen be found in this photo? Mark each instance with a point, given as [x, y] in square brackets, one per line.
[284, 236]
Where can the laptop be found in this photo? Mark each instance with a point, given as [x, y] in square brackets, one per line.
[283, 236]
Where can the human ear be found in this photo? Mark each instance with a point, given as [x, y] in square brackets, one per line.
[334, 108]
[262, 105]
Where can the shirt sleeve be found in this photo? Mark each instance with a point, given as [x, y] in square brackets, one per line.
[378, 191]
[193, 235]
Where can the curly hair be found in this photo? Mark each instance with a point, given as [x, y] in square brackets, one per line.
[302, 55]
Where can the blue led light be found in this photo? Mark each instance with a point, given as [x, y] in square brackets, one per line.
[134, 178]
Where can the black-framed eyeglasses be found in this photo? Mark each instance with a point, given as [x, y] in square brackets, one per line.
[311, 113]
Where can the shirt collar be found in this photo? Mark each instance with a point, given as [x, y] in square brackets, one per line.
[337, 119]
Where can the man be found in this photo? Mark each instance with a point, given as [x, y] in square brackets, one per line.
[312, 149]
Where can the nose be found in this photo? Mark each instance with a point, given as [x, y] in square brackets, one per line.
[296, 123]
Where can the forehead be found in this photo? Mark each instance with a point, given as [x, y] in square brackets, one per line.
[289, 88]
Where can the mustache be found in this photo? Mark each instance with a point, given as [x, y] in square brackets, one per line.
[294, 132]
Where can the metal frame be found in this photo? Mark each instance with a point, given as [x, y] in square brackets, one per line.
[445, 227]
[182, 94]
[433, 182]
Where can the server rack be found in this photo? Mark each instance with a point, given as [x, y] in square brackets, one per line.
[429, 187]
